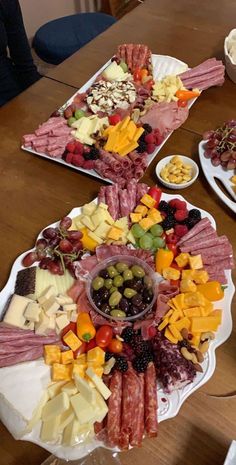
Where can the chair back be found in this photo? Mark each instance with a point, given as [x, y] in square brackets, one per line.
[119, 8]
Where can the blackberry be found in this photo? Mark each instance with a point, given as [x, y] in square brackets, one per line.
[139, 345]
[94, 153]
[147, 128]
[142, 147]
[87, 156]
[194, 214]
[127, 334]
[121, 364]
[108, 355]
[140, 364]
[190, 222]
[164, 207]
[168, 222]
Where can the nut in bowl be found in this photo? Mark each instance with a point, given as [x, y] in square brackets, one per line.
[122, 288]
[230, 55]
[177, 171]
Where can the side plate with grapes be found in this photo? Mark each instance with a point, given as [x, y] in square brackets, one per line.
[212, 173]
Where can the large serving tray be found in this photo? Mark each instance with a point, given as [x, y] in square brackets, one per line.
[169, 404]
[162, 66]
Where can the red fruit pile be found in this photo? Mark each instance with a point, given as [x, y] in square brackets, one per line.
[78, 155]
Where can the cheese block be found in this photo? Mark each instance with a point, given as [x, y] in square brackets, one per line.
[33, 281]
[61, 322]
[100, 385]
[42, 326]
[65, 418]
[64, 299]
[54, 388]
[70, 388]
[50, 429]
[47, 294]
[50, 306]
[83, 410]
[75, 433]
[100, 406]
[32, 312]
[84, 388]
[14, 315]
[89, 208]
[55, 406]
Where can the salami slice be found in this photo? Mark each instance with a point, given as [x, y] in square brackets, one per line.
[141, 190]
[135, 56]
[205, 244]
[124, 202]
[112, 200]
[207, 232]
[114, 409]
[131, 189]
[127, 411]
[102, 195]
[202, 224]
[151, 425]
[221, 265]
[138, 420]
[32, 354]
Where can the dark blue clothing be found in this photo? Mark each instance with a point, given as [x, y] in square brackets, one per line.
[17, 70]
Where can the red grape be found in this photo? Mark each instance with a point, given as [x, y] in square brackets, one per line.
[54, 242]
[65, 223]
[231, 165]
[65, 246]
[44, 262]
[41, 244]
[215, 161]
[78, 246]
[54, 267]
[41, 254]
[29, 259]
[225, 156]
[211, 143]
[49, 233]
[74, 235]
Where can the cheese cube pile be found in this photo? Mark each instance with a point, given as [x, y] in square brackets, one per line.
[165, 90]
[189, 278]
[123, 137]
[190, 310]
[145, 214]
[86, 126]
[98, 226]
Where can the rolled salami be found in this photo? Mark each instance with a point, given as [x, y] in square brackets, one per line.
[114, 412]
[151, 425]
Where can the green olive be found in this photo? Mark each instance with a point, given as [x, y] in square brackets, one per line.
[97, 283]
[129, 293]
[113, 289]
[147, 281]
[127, 275]
[108, 283]
[118, 281]
[115, 299]
[138, 271]
[112, 271]
[121, 267]
[118, 313]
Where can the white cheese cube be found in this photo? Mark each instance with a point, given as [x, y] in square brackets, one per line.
[74, 433]
[100, 406]
[62, 321]
[67, 417]
[50, 429]
[49, 292]
[32, 312]
[100, 385]
[15, 313]
[95, 237]
[70, 388]
[54, 388]
[103, 205]
[69, 307]
[74, 316]
[86, 220]
[50, 306]
[41, 326]
[102, 230]
[37, 413]
[89, 208]
[83, 387]
[83, 410]
[55, 406]
[29, 325]
[64, 299]
[52, 322]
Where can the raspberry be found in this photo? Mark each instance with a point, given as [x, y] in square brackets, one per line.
[78, 160]
[150, 148]
[180, 215]
[70, 147]
[171, 238]
[178, 204]
[181, 230]
[158, 137]
[150, 138]
[69, 157]
[88, 164]
[79, 148]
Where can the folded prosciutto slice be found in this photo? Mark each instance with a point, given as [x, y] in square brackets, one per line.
[165, 117]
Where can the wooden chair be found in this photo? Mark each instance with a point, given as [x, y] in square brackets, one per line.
[119, 8]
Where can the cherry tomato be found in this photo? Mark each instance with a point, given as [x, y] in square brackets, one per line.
[143, 74]
[182, 103]
[175, 282]
[70, 327]
[91, 344]
[115, 346]
[171, 238]
[104, 336]
[155, 193]
[174, 249]
[149, 84]
[81, 350]
[137, 74]
[152, 331]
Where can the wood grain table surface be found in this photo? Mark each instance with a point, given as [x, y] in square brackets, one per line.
[35, 192]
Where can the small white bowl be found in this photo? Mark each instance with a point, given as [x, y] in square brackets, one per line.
[187, 161]
[229, 64]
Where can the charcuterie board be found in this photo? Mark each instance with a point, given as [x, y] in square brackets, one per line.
[169, 404]
[162, 66]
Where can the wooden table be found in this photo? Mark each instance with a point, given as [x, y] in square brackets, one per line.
[36, 192]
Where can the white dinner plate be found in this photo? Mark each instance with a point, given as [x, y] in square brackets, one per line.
[162, 66]
[217, 172]
[169, 404]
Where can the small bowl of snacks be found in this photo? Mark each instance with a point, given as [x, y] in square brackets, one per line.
[230, 55]
[177, 171]
[122, 288]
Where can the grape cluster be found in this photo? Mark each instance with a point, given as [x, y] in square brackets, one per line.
[221, 145]
[57, 249]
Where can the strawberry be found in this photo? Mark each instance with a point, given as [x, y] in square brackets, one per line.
[69, 157]
[150, 148]
[150, 138]
[88, 164]
[181, 230]
[178, 204]
[79, 148]
[70, 147]
[78, 160]
[181, 215]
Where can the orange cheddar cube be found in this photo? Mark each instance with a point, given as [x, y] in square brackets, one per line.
[183, 323]
[187, 274]
[72, 340]
[81, 359]
[146, 223]
[182, 259]
[78, 370]
[155, 215]
[200, 276]
[135, 217]
[175, 332]
[195, 341]
[148, 201]
[67, 357]
[61, 372]
[141, 209]
[175, 316]
[96, 356]
[195, 262]
[194, 311]
[163, 324]
[218, 314]
[114, 233]
[170, 336]
[204, 324]
[52, 354]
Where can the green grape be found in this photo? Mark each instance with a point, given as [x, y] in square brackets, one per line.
[159, 242]
[146, 241]
[124, 66]
[156, 230]
[137, 231]
[79, 114]
[71, 120]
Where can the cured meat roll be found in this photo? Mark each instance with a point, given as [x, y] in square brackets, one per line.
[114, 412]
[151, 424]
[138, 419]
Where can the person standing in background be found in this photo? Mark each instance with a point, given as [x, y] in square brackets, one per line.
[17, 69]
